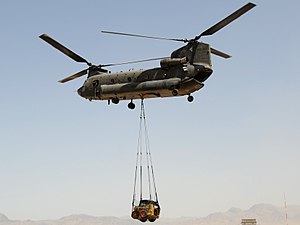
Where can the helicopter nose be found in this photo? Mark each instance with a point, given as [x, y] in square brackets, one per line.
[80, 91]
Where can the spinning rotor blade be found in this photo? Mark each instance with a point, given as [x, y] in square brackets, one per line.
[207, 32]
[226, 21]
[219, 53]
[74, 76]
[63, 49]
[144, 36]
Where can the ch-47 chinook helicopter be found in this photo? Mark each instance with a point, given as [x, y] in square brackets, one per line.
[181, 74]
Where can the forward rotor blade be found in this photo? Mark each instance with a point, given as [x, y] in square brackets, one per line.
[132, 62]
[74, 76]
[144, 36]
[227, 20]
[219, 53]
[63, 49]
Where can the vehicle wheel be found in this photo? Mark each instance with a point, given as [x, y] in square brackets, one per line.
[152, 219]
[143, 220]
[143, 215]
[135, 214]
[190, 98]
[131, 105]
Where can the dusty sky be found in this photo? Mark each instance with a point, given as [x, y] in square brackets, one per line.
[236, 145]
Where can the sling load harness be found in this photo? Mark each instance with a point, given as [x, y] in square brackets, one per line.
[145, 200]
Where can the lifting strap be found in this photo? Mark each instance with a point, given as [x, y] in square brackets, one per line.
[144, 148]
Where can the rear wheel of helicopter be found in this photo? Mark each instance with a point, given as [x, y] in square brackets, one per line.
[190, 98]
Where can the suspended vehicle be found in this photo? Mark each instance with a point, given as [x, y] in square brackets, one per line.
[146, 210]
[181, 74]
[145, 204]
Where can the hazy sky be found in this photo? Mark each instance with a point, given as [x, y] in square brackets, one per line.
[236, 145]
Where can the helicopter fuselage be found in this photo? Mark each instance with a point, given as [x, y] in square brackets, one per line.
[140, 84]
[176, 76]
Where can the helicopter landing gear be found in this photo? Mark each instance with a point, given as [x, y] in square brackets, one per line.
[115, 100]
[175, 92]
[131, 105]
[190, 98]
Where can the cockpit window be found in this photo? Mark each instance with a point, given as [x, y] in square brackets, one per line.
[95, 83]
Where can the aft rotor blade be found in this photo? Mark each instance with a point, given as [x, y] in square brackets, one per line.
[219, 53]
[227, 20]
[132, 62]
[74, 76]
[144, 36]
[63, 49]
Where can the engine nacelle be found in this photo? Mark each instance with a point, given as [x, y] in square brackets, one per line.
[171, 62]
[190, 69]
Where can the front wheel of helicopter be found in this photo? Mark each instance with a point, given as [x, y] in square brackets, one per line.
[131, 105]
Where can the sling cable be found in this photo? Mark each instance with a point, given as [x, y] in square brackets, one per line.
[145, 204]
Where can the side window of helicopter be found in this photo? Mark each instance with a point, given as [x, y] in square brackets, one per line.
[95, 83]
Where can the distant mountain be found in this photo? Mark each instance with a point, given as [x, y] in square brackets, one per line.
[265, 214]
[3, 218]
